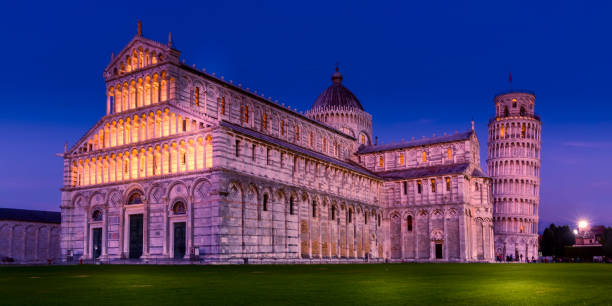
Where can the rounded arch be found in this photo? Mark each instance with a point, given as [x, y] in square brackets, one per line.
[135, 196]
[178, 206]
[131, 188]
[79, 200]
[97, 198]
[96, 214]
[177, 188]
[200, 189]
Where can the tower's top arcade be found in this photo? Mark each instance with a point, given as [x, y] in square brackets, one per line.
[140, 53]
[515, 103]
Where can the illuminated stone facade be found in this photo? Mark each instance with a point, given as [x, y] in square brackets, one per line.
[514, 165]
[186, 165]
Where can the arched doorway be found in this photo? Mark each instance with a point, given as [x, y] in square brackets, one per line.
[179, 230]
[135, 227]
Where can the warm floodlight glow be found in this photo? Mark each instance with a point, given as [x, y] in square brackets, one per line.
[582, 224]
[575, 232]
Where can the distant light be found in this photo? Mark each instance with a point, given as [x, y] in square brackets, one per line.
[582, 224]
[575, 232]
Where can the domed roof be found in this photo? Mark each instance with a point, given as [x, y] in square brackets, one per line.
[337, 95]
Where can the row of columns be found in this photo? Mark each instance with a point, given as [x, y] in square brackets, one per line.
[182, 156]
[137, 93]
[141, 128]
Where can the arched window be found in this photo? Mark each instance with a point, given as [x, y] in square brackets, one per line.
[450, 153]
[476, 187]
[246, 114]
[310, 139]
[502, 131]
[379, 219]
[362, 139]
[208, 152]
[433, 185]
[523, 131]
[264, 122]
[448, 184]
[265, 202]
[197, 96]
[409, 222]
[381, 162]
[350, 215]
[401, 159]
[291, 206]
[135, 198]
[419, 187]
[506, 112]
[314, 209]
[424, 156]
[97, 215]
[222, 105]
[297, 133]
[365, 217]
[523, 113]
[282, 127]
[333, 213]
[405, 187]
[179, 208]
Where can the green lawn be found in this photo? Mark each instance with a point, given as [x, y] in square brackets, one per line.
[309, 284]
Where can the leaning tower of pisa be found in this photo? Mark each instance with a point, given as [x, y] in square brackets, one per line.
[514, 165]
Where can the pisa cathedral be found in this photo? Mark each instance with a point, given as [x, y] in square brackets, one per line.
[186, 166]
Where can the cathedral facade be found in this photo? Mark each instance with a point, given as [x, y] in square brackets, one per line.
[188, 166]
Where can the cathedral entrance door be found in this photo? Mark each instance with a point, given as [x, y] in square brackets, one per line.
[97, 242]
[439, 251]
[179, 240]
[135, 236]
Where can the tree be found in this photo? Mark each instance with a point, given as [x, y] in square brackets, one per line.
[547, 244]
[554, 240]
[607, 242]
[565, 237]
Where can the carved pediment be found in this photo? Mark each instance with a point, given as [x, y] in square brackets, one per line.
[139, 53]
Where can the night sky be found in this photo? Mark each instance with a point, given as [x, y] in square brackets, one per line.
[421, 68]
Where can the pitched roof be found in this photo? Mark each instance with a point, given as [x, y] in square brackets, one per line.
[41, 216]
[281, 143]
[415, 143]
[424, 172]
[477, 172]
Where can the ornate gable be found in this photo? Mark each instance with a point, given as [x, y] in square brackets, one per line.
[140, 53]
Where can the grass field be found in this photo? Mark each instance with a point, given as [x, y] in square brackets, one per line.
[308, 284]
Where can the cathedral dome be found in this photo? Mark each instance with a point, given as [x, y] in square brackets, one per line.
[336, 95]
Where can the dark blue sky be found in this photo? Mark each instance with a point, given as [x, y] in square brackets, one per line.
[419, 68]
